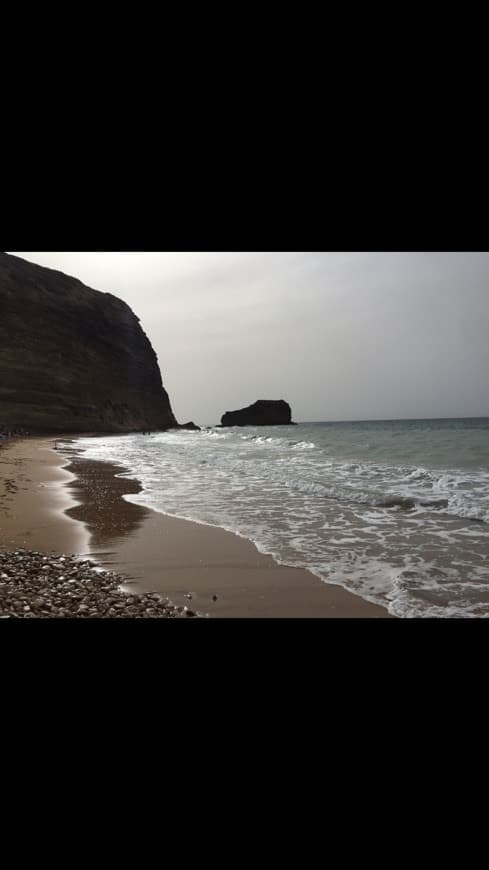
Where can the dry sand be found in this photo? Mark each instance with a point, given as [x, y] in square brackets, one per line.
[159, 553]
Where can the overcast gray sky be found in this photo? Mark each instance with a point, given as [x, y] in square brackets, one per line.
[340, 336]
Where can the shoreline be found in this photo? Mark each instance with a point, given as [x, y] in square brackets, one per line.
[76, 506]
[34, 498]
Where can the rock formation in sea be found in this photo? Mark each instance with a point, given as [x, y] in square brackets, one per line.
[73, 359]
[264, 412]
[191, 425]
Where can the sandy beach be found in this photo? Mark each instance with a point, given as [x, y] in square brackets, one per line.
[79, 509]
[33, 499]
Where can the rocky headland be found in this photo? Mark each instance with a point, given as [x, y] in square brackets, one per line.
[73, 359]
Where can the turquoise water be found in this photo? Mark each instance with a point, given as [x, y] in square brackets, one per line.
[396, 511]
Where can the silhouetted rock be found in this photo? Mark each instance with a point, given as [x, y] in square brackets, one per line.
[73, 359]
[189, 426]
[265, 412]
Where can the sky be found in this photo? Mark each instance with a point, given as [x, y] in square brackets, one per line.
[340, 336]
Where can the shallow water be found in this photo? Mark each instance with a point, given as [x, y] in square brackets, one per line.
[396, 511]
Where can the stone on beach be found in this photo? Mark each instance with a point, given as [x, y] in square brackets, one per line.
[35, 585]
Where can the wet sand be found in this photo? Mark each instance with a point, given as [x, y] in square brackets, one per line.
[224, 574]
[33, 499]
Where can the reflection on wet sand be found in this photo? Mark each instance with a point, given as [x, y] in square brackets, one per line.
[99, 491]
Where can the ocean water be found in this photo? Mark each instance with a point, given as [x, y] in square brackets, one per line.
[396, 511]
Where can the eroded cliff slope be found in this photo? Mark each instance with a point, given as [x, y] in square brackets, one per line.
[73, 359]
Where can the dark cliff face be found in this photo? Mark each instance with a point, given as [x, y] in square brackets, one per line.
[265, 412]
[73, 359]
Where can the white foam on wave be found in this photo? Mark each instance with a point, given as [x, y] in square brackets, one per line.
[213, 434]
[465, 509]
[417, 474]
[282, 443]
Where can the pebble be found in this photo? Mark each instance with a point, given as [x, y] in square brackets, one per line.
[37, 586]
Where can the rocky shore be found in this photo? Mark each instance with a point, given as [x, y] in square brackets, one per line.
[36, 585]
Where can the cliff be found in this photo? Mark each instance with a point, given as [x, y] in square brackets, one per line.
[264, 412]
[73, 359]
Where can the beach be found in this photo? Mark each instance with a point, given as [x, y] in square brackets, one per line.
[57, 502]
[334, 463]
[33, 499]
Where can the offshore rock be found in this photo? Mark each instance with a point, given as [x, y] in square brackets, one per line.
[264, 412]
[190, 426]
[73, 359]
